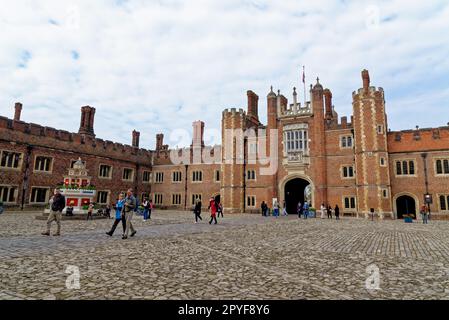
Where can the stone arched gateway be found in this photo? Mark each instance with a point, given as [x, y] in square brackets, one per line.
[407, 200]
[291, 190]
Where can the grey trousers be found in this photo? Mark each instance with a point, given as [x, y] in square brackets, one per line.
[54, 216]
[129, 225]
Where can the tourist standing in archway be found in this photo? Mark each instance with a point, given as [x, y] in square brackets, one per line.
[306, 210]
[299, 209]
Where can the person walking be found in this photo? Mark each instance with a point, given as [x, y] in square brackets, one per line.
[306, 210]
[108, 211]
[57, 204]
[424, 215]
[329, 212]
[90, 210]
[197, 210]
[337, 212]
[299, 209]
[129, 207]
[264, 209]
[276, 209]
[150, 210]
[213, 211]
[118, 216]
[146, 209]
[284, 209]
[323, 211]
[219, 209]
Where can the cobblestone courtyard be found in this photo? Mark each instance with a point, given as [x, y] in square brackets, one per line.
[244, 257]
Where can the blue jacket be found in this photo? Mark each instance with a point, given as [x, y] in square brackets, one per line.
[118, 209]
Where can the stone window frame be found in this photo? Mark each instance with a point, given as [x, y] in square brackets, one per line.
[248, 176]
[110, 171]
[157, 197]
[215, 176]
[173, 176]
[43, 171]
[446, 198]
[193, 176]
[47, 197]
[252, 197]
[343, 198]
[340, 141]
[385, 161]
[385, 193]
[381, 127]
[158, 174]
[196, 197]
[173, 195]
[132, 174]
[149, 177]
[16, 193]
[415, 167]
[439, 175]
[108, 197]
[342, 171]
[19, 166]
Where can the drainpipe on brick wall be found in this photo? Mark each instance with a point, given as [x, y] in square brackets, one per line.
[136, 180]
[426, 179]
[245, 143]
[26, 177]
[185, 187]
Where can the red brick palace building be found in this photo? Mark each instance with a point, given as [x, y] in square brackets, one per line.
[304, 152]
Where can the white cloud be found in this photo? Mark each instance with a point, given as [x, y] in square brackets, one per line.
[156, 66]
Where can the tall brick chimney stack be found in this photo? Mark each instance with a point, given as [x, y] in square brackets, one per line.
[87, 121]
[253, 104]
[198, 134]
[328, 103]
[136, 139]
[18, 111]
[366, 80]
[159, 141]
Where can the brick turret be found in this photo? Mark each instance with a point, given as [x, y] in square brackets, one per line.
[370, 136]
[17, 111]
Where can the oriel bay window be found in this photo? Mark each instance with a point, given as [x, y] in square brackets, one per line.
[296, 141]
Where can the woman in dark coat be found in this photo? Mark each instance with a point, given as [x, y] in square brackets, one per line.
[337, 212]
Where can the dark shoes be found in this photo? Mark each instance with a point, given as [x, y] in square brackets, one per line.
[109, 234]
[57, 234]
[124, 237]
[46, 233]
[133, 234]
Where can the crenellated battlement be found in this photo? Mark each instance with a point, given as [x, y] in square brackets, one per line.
[35, 134]
[425, 139]
[234, 112]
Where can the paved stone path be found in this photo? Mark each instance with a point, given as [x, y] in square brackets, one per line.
[243, 257]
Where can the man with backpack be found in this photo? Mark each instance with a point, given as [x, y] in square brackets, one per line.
[57, 204]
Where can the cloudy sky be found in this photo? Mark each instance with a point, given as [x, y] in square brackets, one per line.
[156, 65]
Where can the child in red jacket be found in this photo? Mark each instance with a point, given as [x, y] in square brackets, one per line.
[213, 211]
